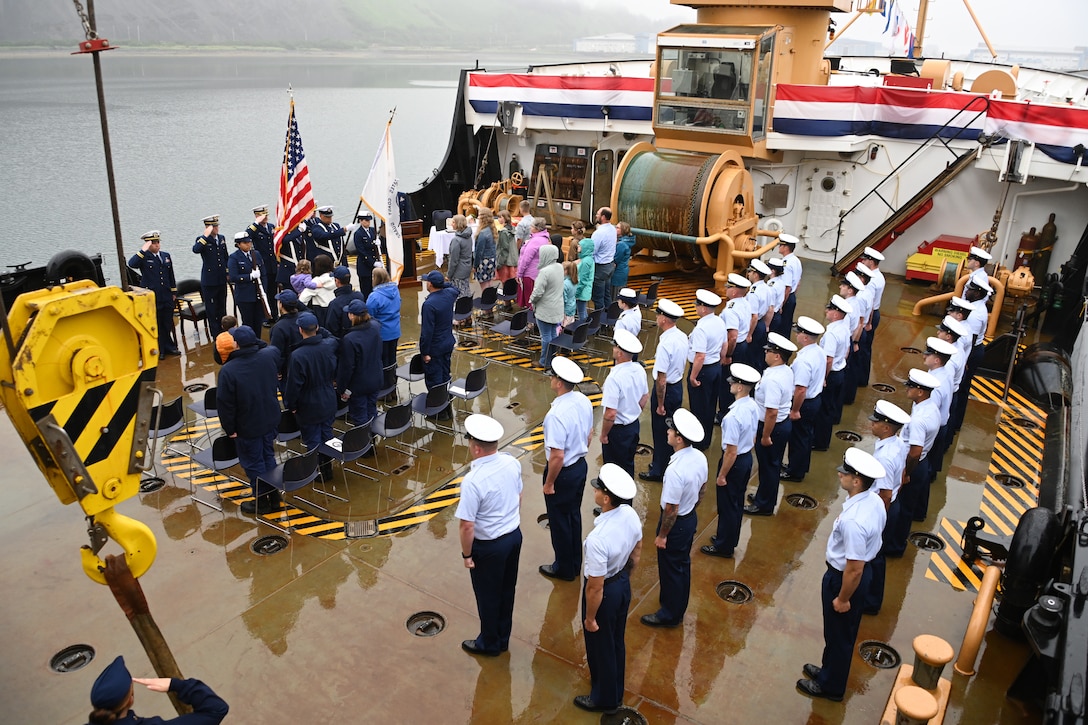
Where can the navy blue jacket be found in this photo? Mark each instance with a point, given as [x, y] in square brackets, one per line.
[156, 275]
[239, 265]
[327, 239]
[247, 390]
[292, 249]
[285, 336]
[336, 320]
[213, 252]
[311, 380]
[366, 247]
[360, 364]
[436, 324]
[208, 708]
[265, 243]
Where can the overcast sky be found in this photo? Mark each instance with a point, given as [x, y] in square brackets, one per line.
[1036, 24]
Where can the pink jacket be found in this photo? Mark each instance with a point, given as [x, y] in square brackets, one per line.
[528, 260]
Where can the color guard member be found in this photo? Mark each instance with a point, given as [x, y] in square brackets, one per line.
[668, 384]
[328, 236]
[809, 370]
[244, 274]
[774, 396]
[568, 428]
[854, 541]
[704, 357]
[612, 551]
[891, 450]
[490, 533]
[368, 253]
[212, 248]
[263, 233]
[624, 395]
[157, 275]
[685, 481]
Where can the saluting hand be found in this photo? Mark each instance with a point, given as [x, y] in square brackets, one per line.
[155, 684]
[208, 231]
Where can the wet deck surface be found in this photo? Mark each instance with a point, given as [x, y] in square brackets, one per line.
[318, 631]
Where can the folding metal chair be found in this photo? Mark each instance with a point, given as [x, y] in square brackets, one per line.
[412, 371]
[167, 419]
[218, 457]
[392, 423]
[472, 386]
[648, 299]
[572, 341]
[433, 403]
[206, 408]
[288, 477]
[389, 382]
[485, 303]
[354, 444]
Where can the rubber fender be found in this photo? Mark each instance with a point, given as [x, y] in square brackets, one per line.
[1045, 375]
[1028, 568]
[69, 266]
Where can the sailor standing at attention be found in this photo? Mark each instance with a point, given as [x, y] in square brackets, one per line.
[975, 264]
[854, 541]
[777, 288]
[328, 236]
[244, 274]
[920, 433]
[759, 295]
[668, 384]
[787, 247]
[737, 316]
[630, 318]
[490, 533]
[704, 356]
[368, 254]
[685, 481]
[212, 248]
[809, 369]
[891, 450]
[871, 259]
[735, 468]
[612, 551]
[262, 232]
[835, 343]
[624, 395]
[774, 396]
[157, 275]
[568, 427]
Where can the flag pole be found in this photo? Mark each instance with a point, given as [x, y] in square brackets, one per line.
[388, 123]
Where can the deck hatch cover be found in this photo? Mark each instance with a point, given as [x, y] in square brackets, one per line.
[926, 541]
[879, 654]
[426, 624]
[72, 658]
[802, 501]
[734, 592]
[151, 484]
[848, 435]
[883, 388]
[268, 545]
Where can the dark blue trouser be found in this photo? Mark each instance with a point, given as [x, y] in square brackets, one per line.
[606, 652]
[252, 314]
[830, 410]
[874, 598]
[840, 631]
[788, 306]
[865, 358]
[893, 546]
[389, 352]
[437, 371]
[703, 400]
[674, 398]
[874, 320]
[362, 407]
[909, 497]
[756, 358]
[801, 437]
[674, 568]
[257, 456]
[494, 580]
[215, 304]
[731, 502]
[164, 318]
[564, 509]
[314, 434]
[850, 379]
[959, 407]
[621, 446]
[769, 459]
[936, 453]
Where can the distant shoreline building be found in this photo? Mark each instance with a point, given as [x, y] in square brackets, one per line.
[1059, 60]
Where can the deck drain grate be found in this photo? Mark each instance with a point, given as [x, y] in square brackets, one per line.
[734, 592]
[72, 658]
[542, 521]
[195, 387]
[269, 545]
[360, 529]
[426, 624]
[802, 501]
[513, 405]
[879, 654]
[150, 485]
[624, 716]
[910, 350]
[1009, 481]
[883, 388]
[1026, 423]
[926, 541]
[469, 344]
[848, 435]
[644, 450]
[401, 469]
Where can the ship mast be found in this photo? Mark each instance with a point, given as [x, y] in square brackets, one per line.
[920, 28]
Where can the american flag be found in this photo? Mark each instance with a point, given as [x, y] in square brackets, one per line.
[296, 200]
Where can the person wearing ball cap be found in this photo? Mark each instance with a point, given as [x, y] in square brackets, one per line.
[624, 395]
[835, 343]
[568, 427]
[359, 364]
[809, 369]
[685, 480]
[791, 276]
[774, 396]
[854, 541]
[704, 357]
[612, 551]
[490, 533]
[920, 434]
[668, 390]
[735, 467]
[112, 697]
[887, 420]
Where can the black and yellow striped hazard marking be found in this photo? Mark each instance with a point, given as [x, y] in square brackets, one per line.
[681, 288]
[534, 439]
[1018, 452]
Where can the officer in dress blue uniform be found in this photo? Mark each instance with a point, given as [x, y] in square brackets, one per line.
[668, 384]
[157, 274]
[292, 249]
[854, 542]
[685, 481]
[310, 392]
[112, 697]
[327, 237]
[624, 395]
[568, 427]
[262, 232]
[368, 254]
[891, 450]
[774, 396]
[212, 248]
[490, 533]
[612, 551]
[734, 470]
[244, 275]
[920, 433]
[705, 345]
[809, 369]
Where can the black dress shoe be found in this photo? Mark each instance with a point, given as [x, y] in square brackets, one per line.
[652, 620]
[469, 645]
[810, 688]
[712, 550]
[811, 671]
[783, 476]
[820, 450]
[549, 571]
[753, 510]
[652, 477]
[750, 498]
[263, 506]
[871, 611]
[585, 703]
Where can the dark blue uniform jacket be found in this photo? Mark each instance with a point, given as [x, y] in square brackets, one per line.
[436, 326]
[311, 380]
[213, 253]
[247, 392]
[360, 365]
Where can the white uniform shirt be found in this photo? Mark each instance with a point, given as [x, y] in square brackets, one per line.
[615, 535]
[892, 454]
[760, 298]
[809, 368]
[776, 294]
[856, 534]
[672, 350]
[836, 343]
[707, 337]
[877, 282]
[623, 389]
[684, 476]
[864, 302]
[957, 363]
[853, 315]
[567, 426]
[491, 496]
[739, 425]
[792, 272]
[980, 277]
[775, 390]
[977, 320]
[925, 421]
[943, 393]
[737, 315]
[630, 320]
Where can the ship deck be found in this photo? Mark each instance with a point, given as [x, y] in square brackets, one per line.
[319, 630]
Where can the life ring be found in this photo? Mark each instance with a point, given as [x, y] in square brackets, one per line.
[69, 266]
[771, 224]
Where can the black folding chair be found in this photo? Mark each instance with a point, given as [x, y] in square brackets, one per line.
[290, 476]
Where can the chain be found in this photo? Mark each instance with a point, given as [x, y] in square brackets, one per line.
[91, 34]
